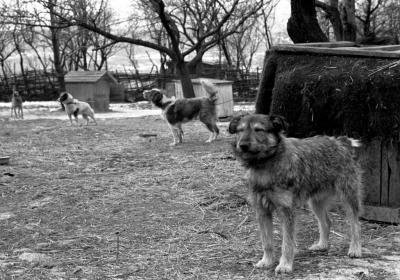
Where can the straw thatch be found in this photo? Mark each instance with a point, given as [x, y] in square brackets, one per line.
[318, 94]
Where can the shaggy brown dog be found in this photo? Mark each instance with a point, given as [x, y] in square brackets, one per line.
[16, 105]
[179, 111]
[284, 172]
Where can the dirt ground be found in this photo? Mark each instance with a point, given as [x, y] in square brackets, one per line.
[115, 201]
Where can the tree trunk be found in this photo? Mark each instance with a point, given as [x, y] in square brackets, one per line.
[187, 86]
[333, 14]
[56, 47]
[348, 9]
[303, 25]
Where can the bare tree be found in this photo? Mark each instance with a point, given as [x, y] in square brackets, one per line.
[267, 21]
[333, 15]
[73, 47]
[7, 48]
[39, 47]
[303, 26]
[348, 16]
[366, 14]
[90, 50]
[391, 19]
[176, 48]
[244, 44]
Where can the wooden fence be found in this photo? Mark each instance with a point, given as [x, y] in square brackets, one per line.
[37, 85]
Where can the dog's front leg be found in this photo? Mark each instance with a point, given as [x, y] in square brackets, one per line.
[70, 119]
[264, 218]
[76, 120]
[22, 113]
[286, 216]
[173, 131]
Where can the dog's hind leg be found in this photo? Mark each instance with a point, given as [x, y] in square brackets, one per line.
[86, 118]
[21, 113]
[92, 116]
[352, 202]
[286, 216]
[215, 131]
[179, 132]
[212, 127]
[266, 229]
[320, 208]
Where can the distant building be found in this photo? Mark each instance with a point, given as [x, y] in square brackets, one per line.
[93, 87]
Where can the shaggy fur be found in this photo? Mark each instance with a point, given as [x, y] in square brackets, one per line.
[179, 111]
[75, 107]
[16, 105]
[284, 172]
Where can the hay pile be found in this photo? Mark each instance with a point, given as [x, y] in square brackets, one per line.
[334, 95]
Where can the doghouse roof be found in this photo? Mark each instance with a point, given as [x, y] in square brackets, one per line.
[89, 77]
[342, 48]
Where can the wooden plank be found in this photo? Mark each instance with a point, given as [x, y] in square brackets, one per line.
[386, 174]
[370, 160]
[381, 48]
[381, 214]
[329, 44]
[391, 176]
[334, 51]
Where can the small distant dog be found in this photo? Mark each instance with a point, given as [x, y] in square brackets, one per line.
[75, 107]
[179, 111]
[16, 105]
[284, 172]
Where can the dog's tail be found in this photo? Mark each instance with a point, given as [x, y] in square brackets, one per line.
[211, 90]
[350, 141]
[351, 144]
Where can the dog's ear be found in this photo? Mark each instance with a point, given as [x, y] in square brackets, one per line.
[233, 124]
[278, 123]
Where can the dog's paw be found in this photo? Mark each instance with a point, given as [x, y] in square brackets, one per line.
[264, 263]
[173, 144]
[283, 268]
[319, 247]
[354, 253]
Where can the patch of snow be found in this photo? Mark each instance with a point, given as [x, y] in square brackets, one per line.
[6, 216]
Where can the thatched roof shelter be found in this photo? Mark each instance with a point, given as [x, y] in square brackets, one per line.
[334, 91]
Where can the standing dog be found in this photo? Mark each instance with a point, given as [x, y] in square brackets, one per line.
[179, 111]
[16, 105]
[75, 107]
[283, 172]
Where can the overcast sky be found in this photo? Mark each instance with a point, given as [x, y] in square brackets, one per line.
[123, 8]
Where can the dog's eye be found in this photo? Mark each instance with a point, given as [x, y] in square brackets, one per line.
[259, 129]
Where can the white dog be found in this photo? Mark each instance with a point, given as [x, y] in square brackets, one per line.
[75, 107]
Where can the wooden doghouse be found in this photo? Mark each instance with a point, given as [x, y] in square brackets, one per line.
[225, 95]
[91, 86]
[343, 89]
